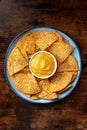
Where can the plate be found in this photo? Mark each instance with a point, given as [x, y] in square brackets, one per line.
[76, 54]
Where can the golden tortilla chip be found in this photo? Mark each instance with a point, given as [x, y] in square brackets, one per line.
[25, 83]
[60, 38]
[20, 45]
[38, 79]
[66, 88]
[29, 56]
[16, 62]
[47, 96]
[74, 75]
[30, 46]
[44, 84]
[26, 45]
[61, 50]
[34, 97]
[28, 95]
[23, 52]
[59, 81]
[51, 96]
[70, 64]
[42, 94]
[44, 39]
[25, 70]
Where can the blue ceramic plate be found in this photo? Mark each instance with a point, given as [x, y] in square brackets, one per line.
[76, 54]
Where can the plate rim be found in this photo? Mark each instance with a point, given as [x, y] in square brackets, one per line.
[13, 88]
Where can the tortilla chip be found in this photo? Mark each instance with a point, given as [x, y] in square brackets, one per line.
[51, 96]
[59, 81]
[48, 96]
[34, 97]
[70, 64]
[25, 83]
[74, 75]
[29, 56]
[30, 46]
[61, 50]
[66, 88]
[44, 39]
[60, 38]
[25, 70]
[20, 45]
[26, 45]
[28, 95]
[23, 52]
[38, 79]
[45, 94]
[44, 84]
[16, 62]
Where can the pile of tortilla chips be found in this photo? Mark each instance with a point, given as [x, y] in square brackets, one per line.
[31, 86]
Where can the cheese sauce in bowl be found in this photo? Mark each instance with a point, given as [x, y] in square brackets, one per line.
[42, 64]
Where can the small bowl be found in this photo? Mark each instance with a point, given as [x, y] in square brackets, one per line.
[43, 77]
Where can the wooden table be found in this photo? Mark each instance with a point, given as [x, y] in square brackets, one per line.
[67, 15]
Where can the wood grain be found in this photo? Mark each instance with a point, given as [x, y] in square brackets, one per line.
[67, 15]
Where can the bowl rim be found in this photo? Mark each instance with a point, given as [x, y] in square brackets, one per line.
[13, 88]
[36, 53]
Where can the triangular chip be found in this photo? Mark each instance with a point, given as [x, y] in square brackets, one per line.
[60, 81]
[60, 38]
[61, 50]
[70, 64]
[47, 96]
[25, 70]
[16, 62]
[25, 83]
[44, 84]
[66, 88]
[34, 97]
[23, 52]
[20, 45]
[30, 46]
[28, 95]
[44, 39]
[74, 75]
[26, 45]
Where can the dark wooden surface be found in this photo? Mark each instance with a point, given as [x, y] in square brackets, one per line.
[67, 15]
